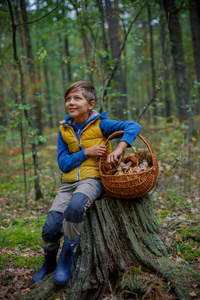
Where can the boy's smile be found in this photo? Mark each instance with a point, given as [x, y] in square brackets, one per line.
[78, 106]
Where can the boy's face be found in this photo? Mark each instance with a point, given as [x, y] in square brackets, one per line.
[78, 106]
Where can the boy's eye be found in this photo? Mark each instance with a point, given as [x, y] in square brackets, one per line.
[75, 99]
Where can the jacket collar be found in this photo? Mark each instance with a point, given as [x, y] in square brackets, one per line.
[93, 115]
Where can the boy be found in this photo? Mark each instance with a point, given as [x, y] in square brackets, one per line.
[81, 140]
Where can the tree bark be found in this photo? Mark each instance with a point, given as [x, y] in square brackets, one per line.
[121, 107]
[166, 60]
[64, 80]
[101, 10]
[83, 21]
[38, 193]
[67, 53]
[194, 7]
[153, 71]
[37, 106]
[48, 95]
[117, 234]
[86, 45]
[146, 71]
[182, 85]
[19, 29]
[104, 40]
[83, 28]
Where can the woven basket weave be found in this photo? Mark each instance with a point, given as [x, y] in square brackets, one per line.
[128, 186]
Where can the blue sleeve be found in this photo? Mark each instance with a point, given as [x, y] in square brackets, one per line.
[67, 161]
[131, 129]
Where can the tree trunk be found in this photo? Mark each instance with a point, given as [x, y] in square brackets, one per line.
[37, 106]
[146, 72]
[38, 193]
[117, 234]
[69, 72]
[19, 67]
[86, 44]
[166, 60]
[120, 107]
[64, 81]
[182, 85]
[48, 95]
[194, 7]
[102, 20]
[3, 116]
[27, 35]
[104, 42]
[153, 72]
[19, 29]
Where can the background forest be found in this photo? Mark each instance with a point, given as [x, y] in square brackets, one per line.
[143, 57]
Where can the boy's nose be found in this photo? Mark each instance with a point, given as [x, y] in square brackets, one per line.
[71, 101]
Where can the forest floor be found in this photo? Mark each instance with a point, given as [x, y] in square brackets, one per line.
[176, 202]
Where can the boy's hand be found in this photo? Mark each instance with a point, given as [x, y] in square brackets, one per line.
[113, 157]
[98, 150]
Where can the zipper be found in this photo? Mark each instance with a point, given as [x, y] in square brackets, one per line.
[79, 143]
[80, 147]
[79, 172]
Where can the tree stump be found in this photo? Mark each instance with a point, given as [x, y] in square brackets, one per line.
[119, 234]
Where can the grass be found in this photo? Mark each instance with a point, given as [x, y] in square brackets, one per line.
[163, 214]
[187, 244]
[20, 240]
[20, 262]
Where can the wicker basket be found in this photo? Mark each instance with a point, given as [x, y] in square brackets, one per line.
[134, 185]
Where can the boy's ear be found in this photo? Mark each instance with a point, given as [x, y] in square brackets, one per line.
[91, 105]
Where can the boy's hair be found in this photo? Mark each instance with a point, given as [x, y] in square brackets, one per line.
[87, 89]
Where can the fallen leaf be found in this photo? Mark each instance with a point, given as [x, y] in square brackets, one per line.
[26, 290]
[192, 294]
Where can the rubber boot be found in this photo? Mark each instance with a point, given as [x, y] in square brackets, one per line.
[63, 270]
[48, 266]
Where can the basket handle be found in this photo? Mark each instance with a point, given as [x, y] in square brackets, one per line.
[152, 152]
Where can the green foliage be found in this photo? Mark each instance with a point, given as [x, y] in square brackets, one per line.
[170, 140]
[192, 233]
[104, 54]
[163, 214]
[188, 252]
[42, 54]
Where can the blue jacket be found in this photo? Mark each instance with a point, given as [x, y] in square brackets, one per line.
[67, 161]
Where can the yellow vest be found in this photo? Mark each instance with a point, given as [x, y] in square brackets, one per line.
[90, 136]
